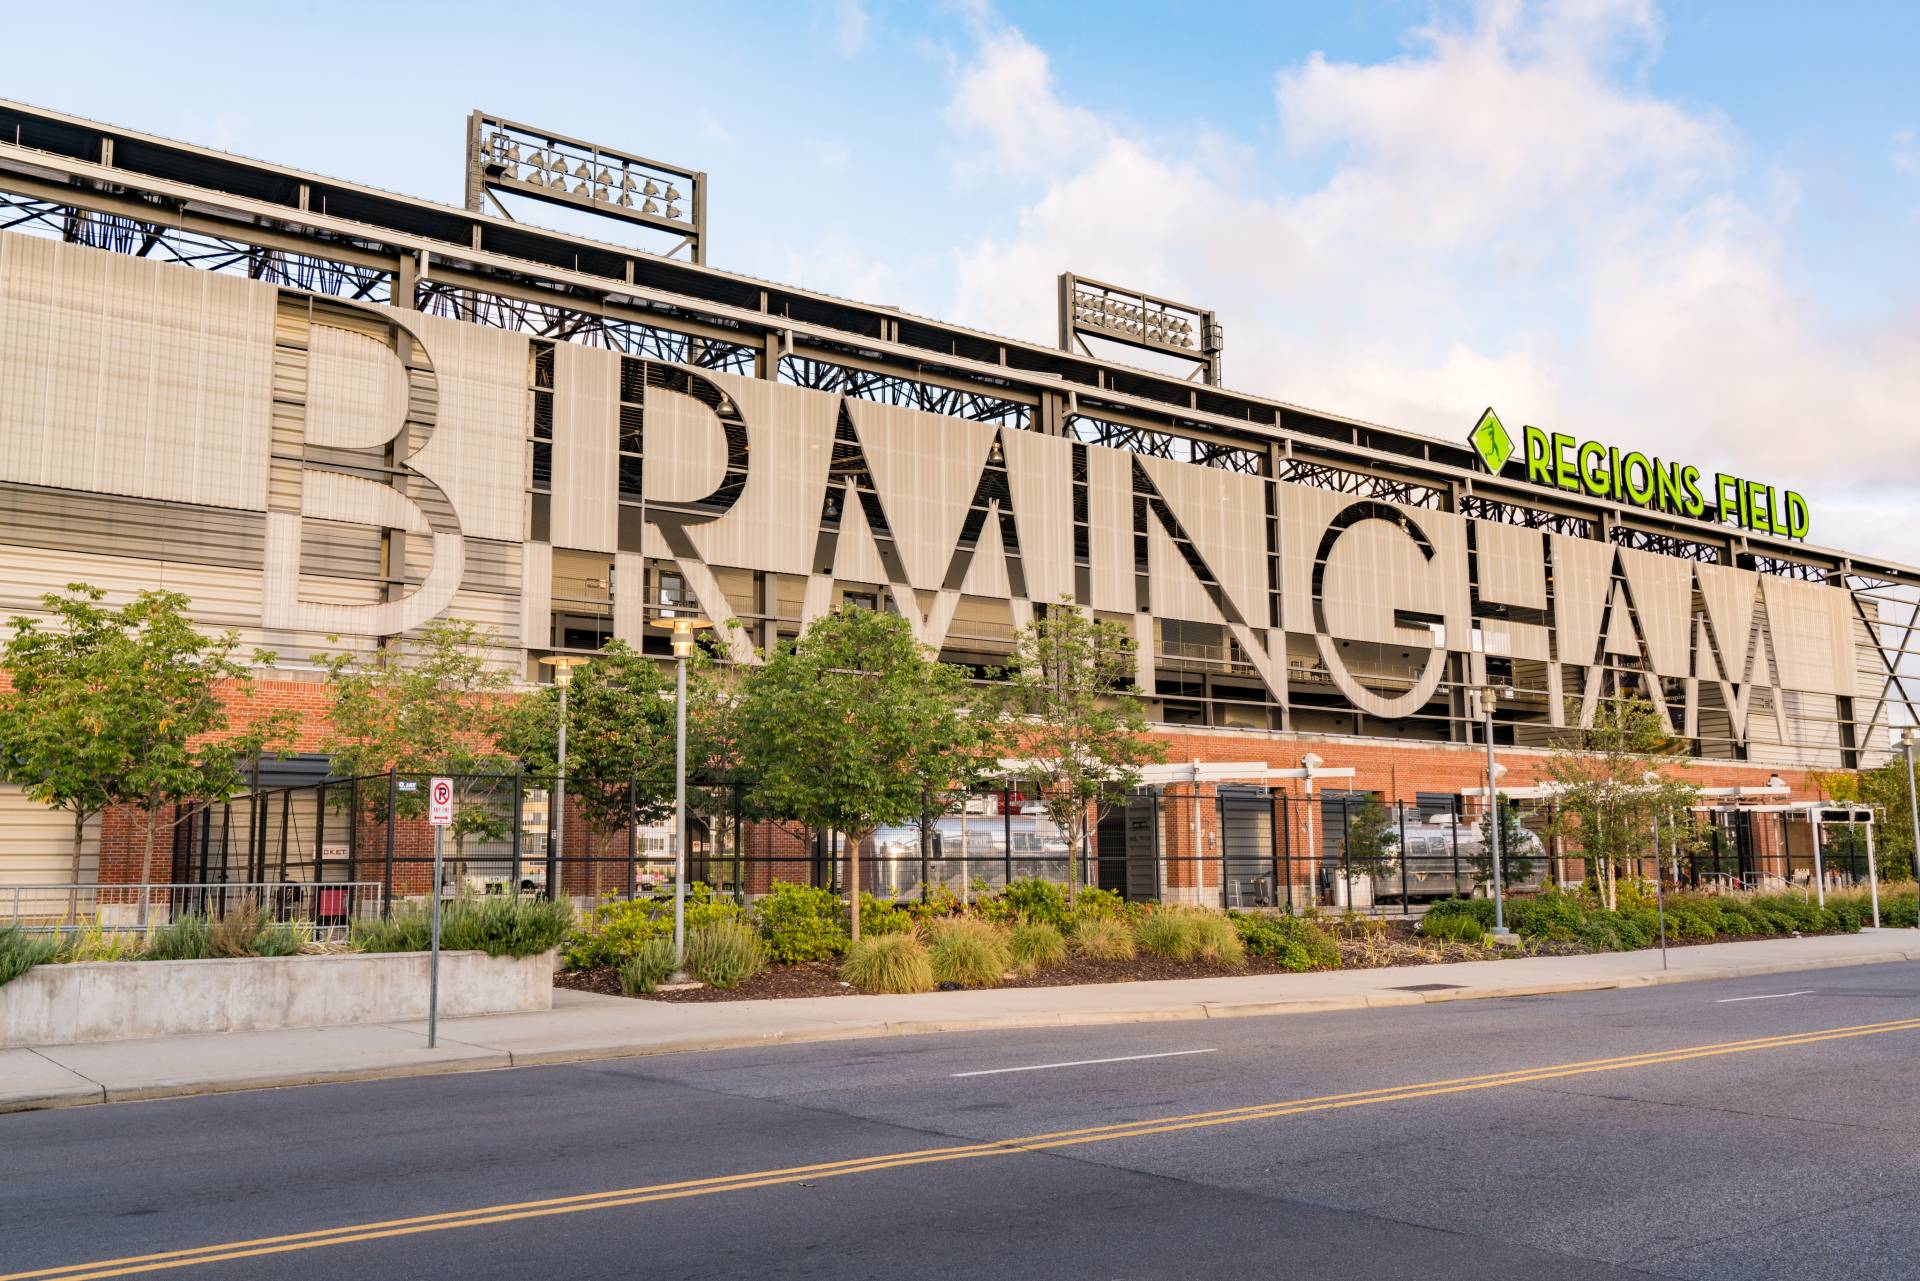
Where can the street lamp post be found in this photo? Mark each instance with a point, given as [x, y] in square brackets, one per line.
[1487, 696]
[683, 627]
[1913, 799]
[562, 665]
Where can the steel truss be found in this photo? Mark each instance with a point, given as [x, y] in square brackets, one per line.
[904, 392]
[140, 239]
[1481, 508]
[561, 323]
[1647, 540]
[1164, 444]
[1407, 493]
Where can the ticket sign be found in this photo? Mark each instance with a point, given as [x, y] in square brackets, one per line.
[440, 802]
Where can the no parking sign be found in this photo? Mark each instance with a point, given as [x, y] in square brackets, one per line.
[440, 802]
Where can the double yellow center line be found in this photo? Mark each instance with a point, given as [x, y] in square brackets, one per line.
[512, 1212]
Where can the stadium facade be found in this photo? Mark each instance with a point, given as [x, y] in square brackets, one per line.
[329, 414]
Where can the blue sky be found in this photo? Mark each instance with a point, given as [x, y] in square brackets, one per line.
[1684, 229]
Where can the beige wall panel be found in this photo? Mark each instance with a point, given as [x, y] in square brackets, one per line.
[1806, 640]
[1512, 563]
[586, 448]
[1040, 472]
[65, 520]
[222, 597]
[1225, 514]
[126, 376]
[630, 598]
[1728, 594]
[1172, 588]
[36, 848]
[477, 453]
[536, 596]
[777, 520]
[855, 558]
[686, 455]
[1304, 513]
[1663, 595]
[332, 495]
[356, 392]
[1582, 570]
[1110, 528]
[286, 608]
[926, 467]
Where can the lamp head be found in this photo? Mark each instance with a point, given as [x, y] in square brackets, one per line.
[563, 665]
[683, 627]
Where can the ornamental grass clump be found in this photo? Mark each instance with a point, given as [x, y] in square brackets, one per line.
[969, 953]
[98, 942]
[1452, 927]
[1104, 938]
[497, 924]
[21, 951]
[1216, 941]
[889, 963]
[188, 939]
[649, 966]
[1168, 933]
[725, 953]
[1035, 945]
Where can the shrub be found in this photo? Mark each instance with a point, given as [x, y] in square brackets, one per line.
[969, 953]
[1900, 909]
[497, 924]
[1293, 943]
[1453, 927]
[1549, 915]
[878, 916]
[21, 951]
[1617, 931]
[650, 963]
[725, 953]
[1035, 945]
[1095, 904]
[1217, 942]
[188, 939]
[800, 923]
[287, 938]
[1692, 920]
[616, 932]
[1169, 933]
[1104, 938]
[889, 963]
[1480, 909]
[1031, 899]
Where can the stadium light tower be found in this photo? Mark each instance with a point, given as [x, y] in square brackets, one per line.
[1094, 309]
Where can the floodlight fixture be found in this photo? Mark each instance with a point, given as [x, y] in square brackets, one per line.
[504, 156]
[1094, 309]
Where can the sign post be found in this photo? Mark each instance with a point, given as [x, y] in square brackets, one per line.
[440, 814]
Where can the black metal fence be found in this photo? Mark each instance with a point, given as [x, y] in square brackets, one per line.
[1231, 846]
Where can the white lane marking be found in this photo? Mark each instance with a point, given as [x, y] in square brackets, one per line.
[1770, 996]
[1124, 1058]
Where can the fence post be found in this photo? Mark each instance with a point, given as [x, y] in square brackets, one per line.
[1006, 827]
[633, 836]
[393, 799]
[926, 845]
[1453, 826]
[519, 817]
[1406, 894]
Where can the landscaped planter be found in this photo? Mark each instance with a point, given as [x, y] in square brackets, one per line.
[126, 1000]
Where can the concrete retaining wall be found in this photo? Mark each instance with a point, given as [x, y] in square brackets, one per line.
[127, 1000]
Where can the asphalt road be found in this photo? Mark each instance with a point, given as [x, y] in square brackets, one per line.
[1669, 1132]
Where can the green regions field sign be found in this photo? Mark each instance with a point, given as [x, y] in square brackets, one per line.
[1602, 471]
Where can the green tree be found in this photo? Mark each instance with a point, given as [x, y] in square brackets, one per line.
[1373, 839]
[1075, 720]
[1516, 846]
[110, 706]
[848, 728]
[1612, 781]
[425, 705]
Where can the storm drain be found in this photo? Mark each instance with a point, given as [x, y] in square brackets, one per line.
[1428, 987]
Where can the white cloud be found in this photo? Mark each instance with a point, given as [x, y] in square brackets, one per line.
[1503, 214]
[1905, 154]
[849, 22]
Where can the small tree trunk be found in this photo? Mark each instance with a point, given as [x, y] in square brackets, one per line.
[853, 881]
[146, 858]
[79, 839]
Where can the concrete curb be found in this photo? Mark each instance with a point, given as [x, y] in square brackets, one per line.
[486, 1058]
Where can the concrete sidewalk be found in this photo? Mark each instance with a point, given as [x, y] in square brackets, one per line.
[583, 1026]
